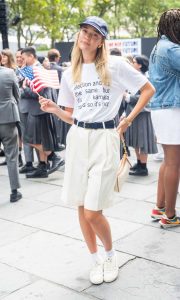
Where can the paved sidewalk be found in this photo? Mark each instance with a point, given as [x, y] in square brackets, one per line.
[43, 255]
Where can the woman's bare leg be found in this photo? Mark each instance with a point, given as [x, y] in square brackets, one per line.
[171, 177]
[94, 223]
[100, 227]
[137, 153]
[160, 189]
[88, 232]
[42, 154]
[143, 158]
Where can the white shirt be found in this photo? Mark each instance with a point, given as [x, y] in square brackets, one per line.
[94, 102]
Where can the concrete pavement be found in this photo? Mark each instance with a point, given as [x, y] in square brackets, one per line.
[43, 255]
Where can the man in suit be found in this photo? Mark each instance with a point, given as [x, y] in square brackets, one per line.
[23, 110]
[40, 132]
[9, 116]
[54, 58]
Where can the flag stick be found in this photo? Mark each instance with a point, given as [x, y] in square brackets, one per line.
[37, 93]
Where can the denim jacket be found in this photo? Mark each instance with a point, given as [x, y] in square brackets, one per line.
[164, 74]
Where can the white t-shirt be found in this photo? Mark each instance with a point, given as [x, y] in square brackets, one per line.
[94, 102]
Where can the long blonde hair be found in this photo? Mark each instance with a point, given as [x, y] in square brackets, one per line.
[100, 63]
[11, 61]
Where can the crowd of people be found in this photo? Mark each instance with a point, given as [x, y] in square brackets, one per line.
[37, 132]
[101, 97]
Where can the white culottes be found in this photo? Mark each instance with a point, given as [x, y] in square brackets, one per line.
[166, 123]
[92, 159]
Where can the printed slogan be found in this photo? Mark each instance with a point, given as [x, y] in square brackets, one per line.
[95, 94]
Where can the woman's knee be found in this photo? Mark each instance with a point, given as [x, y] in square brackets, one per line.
[172, 155]
[92, 216]
[173, 164]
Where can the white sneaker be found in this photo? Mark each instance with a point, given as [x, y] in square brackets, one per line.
[96, 274]
[111, 269]
[158, 156]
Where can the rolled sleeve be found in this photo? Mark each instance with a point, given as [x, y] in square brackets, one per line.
[131, 78]
[65, 97]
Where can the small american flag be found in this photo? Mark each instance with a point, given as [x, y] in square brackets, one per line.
[27, 72]
[38, 78]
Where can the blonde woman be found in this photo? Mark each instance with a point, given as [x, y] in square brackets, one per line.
[8, 60]
[92, 90]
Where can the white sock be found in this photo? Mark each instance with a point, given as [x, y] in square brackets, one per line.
[96, 257]
[110, 253]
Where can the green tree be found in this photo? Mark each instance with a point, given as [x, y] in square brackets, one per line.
[115, 18]
[112, 11]
[101, 7]
[55, 19]
[59, 18]
[142, 16]
[27, 10]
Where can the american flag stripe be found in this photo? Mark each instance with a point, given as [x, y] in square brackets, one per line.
[49, 83]
[47, 77]
[35, 87]
[38, 86]
[38, 78]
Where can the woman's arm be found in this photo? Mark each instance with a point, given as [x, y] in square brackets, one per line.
[51, 107]
[147, 91]
[131, 99]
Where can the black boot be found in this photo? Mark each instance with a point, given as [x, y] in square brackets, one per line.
[27, 168]
[15, 196]
[140, 171]
[40, 172]
[136, 166]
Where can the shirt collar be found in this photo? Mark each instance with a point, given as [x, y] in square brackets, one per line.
[164, 37]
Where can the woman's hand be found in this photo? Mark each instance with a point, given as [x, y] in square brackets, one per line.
[48, 105]
[123, 125]
[51, 107]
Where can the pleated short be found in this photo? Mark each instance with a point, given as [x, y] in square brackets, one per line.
[41, 130]
[92, 159]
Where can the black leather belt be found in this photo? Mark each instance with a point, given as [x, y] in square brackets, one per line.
[96, 125]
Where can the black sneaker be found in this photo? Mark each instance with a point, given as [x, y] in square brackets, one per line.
[57, 162]
[14, 197]
[27, 169]
[40, 172]
[139, 172]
